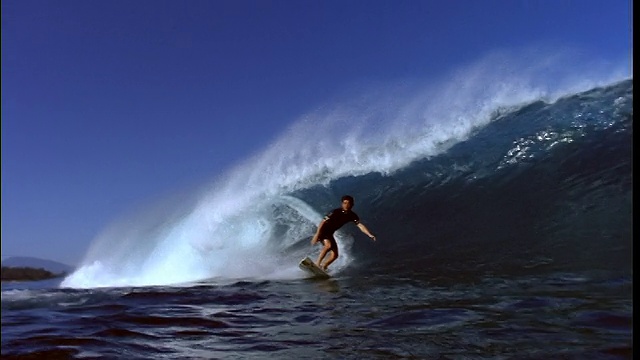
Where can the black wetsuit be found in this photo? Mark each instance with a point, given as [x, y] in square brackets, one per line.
[333, 221]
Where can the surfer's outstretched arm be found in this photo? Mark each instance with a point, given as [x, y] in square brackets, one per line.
[366, 231]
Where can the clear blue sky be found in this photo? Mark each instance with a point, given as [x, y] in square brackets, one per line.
[110, 104]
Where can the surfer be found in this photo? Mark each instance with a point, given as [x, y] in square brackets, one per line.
[333, 221]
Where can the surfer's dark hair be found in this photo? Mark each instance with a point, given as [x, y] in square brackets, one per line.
[348, 197]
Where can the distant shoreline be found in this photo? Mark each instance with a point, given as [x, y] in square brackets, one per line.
[23, 273]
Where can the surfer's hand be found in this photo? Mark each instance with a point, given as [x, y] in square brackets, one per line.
[372, 237]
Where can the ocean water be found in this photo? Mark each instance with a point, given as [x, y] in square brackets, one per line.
[503, 217]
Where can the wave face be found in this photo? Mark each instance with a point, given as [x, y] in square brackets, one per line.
[478, 175]
[546, 187]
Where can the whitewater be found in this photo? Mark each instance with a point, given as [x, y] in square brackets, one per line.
[251, 223]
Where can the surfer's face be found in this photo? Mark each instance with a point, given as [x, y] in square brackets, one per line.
[346, 205]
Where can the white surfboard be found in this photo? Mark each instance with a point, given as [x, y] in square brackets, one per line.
[312, 269]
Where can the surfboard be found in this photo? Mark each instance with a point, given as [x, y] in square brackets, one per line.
[311, 268]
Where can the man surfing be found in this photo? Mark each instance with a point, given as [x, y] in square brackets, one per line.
[333, 221]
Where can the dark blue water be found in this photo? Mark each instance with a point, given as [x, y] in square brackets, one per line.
[515, 243]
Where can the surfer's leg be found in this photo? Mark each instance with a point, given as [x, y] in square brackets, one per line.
[323, 253]
[332, 258]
